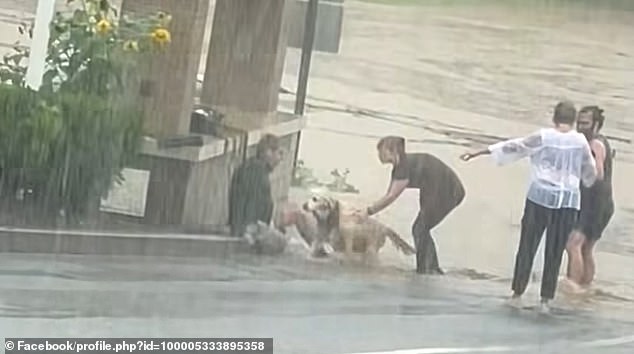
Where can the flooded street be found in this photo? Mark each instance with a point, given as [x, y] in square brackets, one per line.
[306, 307]
[449, 79]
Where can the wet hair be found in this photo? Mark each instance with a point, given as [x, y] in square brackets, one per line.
[266, 143]
[392, 143]
[597, 115]
[565, 113]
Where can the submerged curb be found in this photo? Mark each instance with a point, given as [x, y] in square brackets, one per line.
[56, 241]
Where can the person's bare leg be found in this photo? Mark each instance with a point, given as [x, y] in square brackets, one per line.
[575, 257]
[587, 252]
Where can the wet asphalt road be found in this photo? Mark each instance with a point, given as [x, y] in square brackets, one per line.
[307, 307]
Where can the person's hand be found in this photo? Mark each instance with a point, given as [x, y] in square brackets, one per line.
[467, 156]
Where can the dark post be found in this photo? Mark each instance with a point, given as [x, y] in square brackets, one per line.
[304, 67]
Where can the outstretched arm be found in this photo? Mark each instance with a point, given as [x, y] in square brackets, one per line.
[510, 150]
[472, 155]
[396, 189]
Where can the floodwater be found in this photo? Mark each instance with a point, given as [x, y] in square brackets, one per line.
[457, 77]
[449, 78]
[307, 307]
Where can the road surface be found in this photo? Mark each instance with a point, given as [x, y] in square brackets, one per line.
[307, 307]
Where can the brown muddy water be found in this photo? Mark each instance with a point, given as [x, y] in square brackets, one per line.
[450, 78]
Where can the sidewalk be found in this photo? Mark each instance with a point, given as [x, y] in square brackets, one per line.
[90, 242]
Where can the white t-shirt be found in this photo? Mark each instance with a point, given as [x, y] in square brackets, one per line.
[559, 162]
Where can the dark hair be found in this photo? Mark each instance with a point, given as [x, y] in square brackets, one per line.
[267, 142]
[565, 113]
[392, 143]
[597, 115]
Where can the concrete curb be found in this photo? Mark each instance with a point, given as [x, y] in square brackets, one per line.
[31, 240]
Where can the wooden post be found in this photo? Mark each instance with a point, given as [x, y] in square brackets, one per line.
[169, 81]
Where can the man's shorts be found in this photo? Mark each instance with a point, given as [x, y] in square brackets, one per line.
[593, 221]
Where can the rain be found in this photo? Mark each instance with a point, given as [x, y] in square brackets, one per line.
[162, 165]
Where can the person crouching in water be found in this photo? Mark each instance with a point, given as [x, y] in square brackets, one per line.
[440, 192]
[597, 204]
[560, 158]
[251, 201]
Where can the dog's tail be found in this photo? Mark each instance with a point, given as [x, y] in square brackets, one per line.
[399, 243]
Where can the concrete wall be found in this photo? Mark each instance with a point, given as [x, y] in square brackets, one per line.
[208, 192]
[195, 194]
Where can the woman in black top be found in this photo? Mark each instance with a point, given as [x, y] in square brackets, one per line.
[440, 192]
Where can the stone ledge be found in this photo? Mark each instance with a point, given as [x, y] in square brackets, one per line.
[286, 123]
[27, 240]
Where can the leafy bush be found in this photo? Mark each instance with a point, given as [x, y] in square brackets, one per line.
[67, 148]
[68, 142]
[93, 49]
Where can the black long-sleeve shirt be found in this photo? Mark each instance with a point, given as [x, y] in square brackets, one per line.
[250, 198]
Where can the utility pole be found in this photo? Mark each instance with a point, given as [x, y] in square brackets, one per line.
[39, 43]
[310, 25]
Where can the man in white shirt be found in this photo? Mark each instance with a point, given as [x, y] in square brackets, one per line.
[560, 158]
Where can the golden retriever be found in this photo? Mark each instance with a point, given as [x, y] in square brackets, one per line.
[349, 233]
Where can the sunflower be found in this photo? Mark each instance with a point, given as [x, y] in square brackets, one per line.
[161, 36]
[103, 27]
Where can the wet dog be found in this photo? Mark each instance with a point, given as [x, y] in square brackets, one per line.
[314, 237]
[348, 233]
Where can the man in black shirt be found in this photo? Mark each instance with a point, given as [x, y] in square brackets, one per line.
[441, 191]
[250, 198]
[597, 204]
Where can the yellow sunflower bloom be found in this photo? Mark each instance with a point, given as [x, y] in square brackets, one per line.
[103, 27]
[161, 36]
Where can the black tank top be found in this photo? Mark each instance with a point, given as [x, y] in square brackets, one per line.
[603, 188]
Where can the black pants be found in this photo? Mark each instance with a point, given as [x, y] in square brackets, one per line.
[558, 224]
[432, 212]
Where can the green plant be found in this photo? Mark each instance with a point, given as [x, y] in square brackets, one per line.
[69, 141]
[340, 183]
[304, 177]
[67, 148]
[93, 49]
[87, 158]
[12, 67]
[28, 128]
